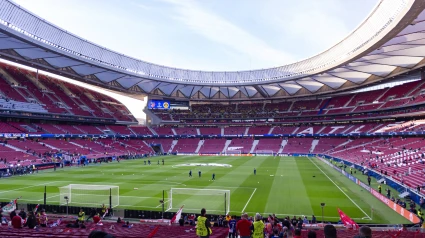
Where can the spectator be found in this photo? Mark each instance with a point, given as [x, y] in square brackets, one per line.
[330, 231]
[297, 233]
[203, 228]
[365, 232]
[23, 214]
[258, 227]
[311, 234]
[313, 220]
[100, 234]
[12, 214]
[92, 214]
[96, 219]
[275, 234]
[17, 222]
[305, 220]
[232, 227]
[31, 220]
[43, 218]
[243, 227]
[127, 224]
[76, 224]
[181, 221]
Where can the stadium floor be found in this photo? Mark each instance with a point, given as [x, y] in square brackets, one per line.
[283, 185]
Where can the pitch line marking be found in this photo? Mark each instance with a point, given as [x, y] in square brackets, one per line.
[164, 203]
[6, 191]
[48, 197]
[341, 190]
[249, 200]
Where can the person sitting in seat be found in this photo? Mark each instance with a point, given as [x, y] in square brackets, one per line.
[31, 220]
[127, 224]
[17, 222]
[43, 218]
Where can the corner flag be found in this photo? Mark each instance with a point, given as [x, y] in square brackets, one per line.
[347, 221]
[177, 216]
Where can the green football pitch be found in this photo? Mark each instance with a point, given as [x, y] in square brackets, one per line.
[283, 185]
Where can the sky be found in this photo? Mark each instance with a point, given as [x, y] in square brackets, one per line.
[214, 35]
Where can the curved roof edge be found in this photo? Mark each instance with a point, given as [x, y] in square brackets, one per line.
[376, 26]
[399, 48]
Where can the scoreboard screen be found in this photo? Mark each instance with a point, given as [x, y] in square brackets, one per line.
[159, 104]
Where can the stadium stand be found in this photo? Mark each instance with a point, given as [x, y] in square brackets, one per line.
[186, 146]
[45, 120]
[212, 146]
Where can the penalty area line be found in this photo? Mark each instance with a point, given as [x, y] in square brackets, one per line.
[367, 216]
[164, 203]
[249, 199]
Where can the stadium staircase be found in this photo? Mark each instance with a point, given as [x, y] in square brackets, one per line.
[314, 144]
[14, 148]
[198, 132]
[200, 144]
[254, 145]
[228, 142]
[152, 131]
[222, 133]
[271, 129]
[174, 143]
[174, 131]
[282, 146]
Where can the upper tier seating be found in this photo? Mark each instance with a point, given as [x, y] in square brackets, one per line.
[163, 130]
[141, 130]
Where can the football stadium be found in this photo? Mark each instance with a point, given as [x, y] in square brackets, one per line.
[329, 146]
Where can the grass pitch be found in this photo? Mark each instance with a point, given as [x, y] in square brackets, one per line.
[283, 185]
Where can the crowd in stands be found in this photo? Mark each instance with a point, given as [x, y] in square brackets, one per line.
[20, 222]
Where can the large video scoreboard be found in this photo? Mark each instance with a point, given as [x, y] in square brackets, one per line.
[159, 104]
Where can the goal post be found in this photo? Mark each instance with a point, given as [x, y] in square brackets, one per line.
[89, 195]
[233, 152]
[265, 153]
[215, 201]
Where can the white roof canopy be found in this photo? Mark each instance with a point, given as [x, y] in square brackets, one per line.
[390, 41]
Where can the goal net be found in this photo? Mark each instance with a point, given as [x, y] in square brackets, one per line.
[264, 152]
[233, 152]
[89, 195]
[215, 201]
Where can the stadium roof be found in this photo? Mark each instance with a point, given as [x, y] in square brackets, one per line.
[390, 41]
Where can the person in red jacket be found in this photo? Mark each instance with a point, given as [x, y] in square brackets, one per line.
[243, 227]
[96, 219]
[17, 222]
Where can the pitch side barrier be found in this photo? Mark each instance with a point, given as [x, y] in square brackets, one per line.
[379, 134]
[397, 208]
